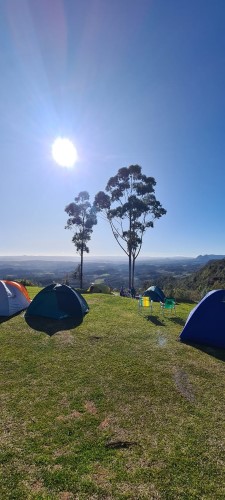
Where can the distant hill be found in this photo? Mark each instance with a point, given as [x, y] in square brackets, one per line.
[203, 259]
[209, 277]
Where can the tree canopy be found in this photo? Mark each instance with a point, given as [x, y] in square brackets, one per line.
[130, 206]
[82, 218]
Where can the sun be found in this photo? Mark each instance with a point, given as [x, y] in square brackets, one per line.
[64, 152]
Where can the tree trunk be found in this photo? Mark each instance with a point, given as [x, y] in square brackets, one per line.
[81, 268]
[130, 250]
[130, 269]
[133, 267]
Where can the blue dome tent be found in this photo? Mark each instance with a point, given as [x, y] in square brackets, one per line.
[205, 323]
[155, 294]
[58, 302]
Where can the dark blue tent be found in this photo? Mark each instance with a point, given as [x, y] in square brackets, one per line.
[206, 322]
[155, 294]
[58, 302]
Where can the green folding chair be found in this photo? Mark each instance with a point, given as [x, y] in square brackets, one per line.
[168, 304]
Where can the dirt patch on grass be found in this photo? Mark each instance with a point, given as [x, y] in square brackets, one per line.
[65, 337]
[61, 452]
[66, 495]
[118, 434]
[35, 487]
[65, 418]
[183, 384]
[64, 402]
[105, 424]
[90, 407]
[143, 463]
[101, 476]
[143, 490]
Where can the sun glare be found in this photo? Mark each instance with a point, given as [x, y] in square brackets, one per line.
[64, 152]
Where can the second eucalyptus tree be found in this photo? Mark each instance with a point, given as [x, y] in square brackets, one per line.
[130, 207]
[82, 218]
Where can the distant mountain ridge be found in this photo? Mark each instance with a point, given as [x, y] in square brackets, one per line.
[75, 258]
[207, 258]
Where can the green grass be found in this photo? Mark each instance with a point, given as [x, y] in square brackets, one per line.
[116, 408]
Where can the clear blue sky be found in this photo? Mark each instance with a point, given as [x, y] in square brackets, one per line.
[129, 81]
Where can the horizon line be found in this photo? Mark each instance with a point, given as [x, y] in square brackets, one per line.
[108, 256]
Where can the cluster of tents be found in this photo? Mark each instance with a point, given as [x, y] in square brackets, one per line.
[204, 325]
[55, 301]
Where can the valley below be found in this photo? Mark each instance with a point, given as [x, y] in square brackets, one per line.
[112, 271]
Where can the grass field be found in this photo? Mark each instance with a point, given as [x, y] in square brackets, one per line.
[116, 408]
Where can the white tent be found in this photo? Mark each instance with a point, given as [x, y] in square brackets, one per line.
[13, 298]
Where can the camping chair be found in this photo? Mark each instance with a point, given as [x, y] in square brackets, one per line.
[144, 302]
[168, 304]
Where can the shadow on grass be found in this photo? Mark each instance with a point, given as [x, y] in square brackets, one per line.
[51, 326]
[178, 321]
[211, 351]
[155, 320]
[120, 444]
[3, 319]
[95, 338]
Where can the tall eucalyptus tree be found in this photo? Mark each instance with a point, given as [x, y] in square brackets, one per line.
[82, 218]
[130, 206]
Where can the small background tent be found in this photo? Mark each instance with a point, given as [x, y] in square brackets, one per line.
[58, 302]
[13, 298]
[206, 322]
[155, 294]
[99, 288]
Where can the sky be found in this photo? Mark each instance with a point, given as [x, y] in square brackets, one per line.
[129, 82]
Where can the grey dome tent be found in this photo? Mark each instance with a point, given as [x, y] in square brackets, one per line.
[13, 298]
[155, 294]
[205, 323]
[58, 302]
